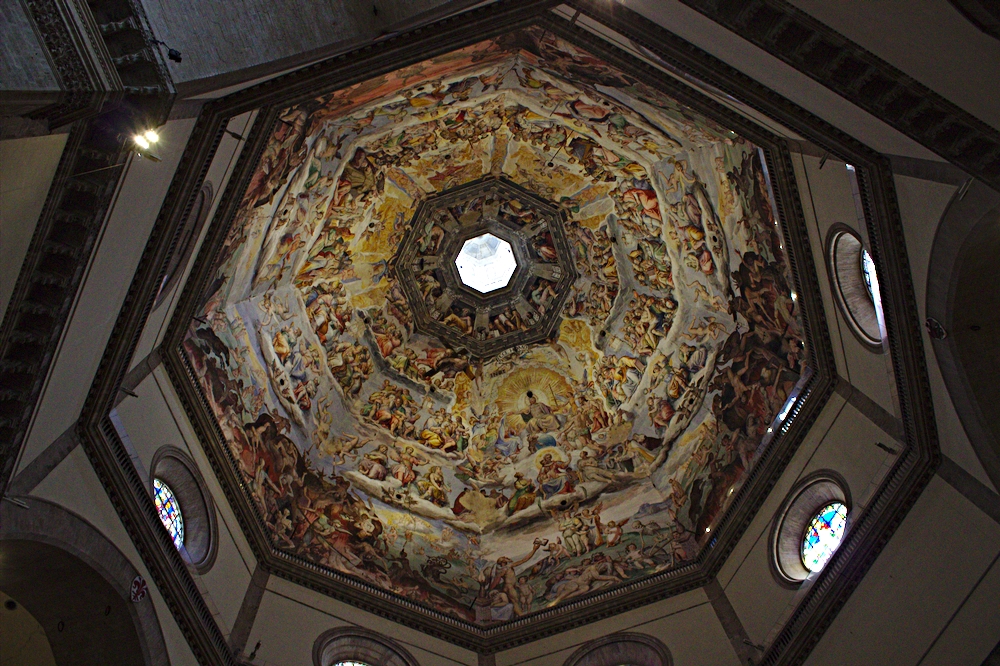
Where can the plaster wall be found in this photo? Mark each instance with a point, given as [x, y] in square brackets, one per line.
[923, 577]
[217, 37]
[150, 424]
[761, 523]
[827, 199]
[847, 446]
[105, 285]
[286, 604]
[976, 618]
[928, 40]
[226, 514]
[27, 167]
[22, 638]
[687, 624]
[218, 176]
[922, 204]
[74, 485]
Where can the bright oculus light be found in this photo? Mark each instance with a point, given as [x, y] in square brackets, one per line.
[486, 263]
[151, 136]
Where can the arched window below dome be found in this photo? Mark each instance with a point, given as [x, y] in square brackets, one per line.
[809, 527]
[622, 649]
[354, 646]
[185, 506]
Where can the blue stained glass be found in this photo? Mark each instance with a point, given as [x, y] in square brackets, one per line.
[169, 510]
[823, 536]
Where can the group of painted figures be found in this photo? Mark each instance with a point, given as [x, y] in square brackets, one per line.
[488, 490]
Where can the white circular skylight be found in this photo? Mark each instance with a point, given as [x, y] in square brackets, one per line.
[486, 263]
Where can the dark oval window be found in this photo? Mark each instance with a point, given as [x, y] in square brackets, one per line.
[186, 238]
[855, 283]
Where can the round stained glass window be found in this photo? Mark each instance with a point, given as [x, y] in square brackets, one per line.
[169, 510]
[823, 535]
[350, 663]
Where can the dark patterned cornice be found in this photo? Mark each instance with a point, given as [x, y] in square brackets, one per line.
[864, 79]
[82, 93]
[63, 49]
[97, 63]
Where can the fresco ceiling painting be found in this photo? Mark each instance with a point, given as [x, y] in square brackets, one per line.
[493, 454]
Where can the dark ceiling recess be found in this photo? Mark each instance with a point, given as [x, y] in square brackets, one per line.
[61, 590]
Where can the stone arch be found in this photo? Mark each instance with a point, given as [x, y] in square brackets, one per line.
[76, 583]
[629, 648]
[357, 644]
[981, 13]
[963, 297]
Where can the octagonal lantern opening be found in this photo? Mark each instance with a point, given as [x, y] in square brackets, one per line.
[486, 263]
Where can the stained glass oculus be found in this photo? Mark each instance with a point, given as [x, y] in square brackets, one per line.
[486, 263]
[823, 535]
[169, 510]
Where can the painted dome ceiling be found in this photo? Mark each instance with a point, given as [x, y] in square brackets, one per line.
[578, 424]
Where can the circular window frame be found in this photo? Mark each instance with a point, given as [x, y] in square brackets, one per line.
[186, 239]
[357, 644]
[175, 468]
[630, 648]
[844, 251]
[800, 506]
